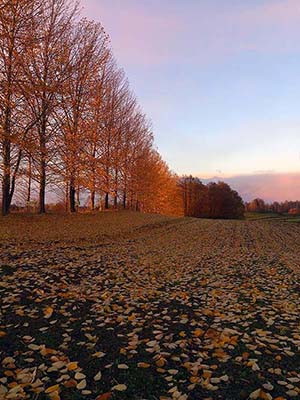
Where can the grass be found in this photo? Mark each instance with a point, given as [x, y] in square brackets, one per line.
[251, 216]
[256, 216]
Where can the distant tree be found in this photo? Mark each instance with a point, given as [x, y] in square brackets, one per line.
[294, 211]
[257, 205]
[275, 207]
[194, 196]
[224, 202]
[215, 200]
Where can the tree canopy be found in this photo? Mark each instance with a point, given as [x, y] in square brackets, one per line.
[215, 200]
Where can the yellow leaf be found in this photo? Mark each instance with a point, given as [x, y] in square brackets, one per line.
[99, 354]
[81, 385]
[48, 312]
[123, 366]
[207, 374]
[51, 389]
[263, 395]
[120, 388]
[72, 366]
[160, 362]
[198, 332]
[54, 396]
[12, 384]
[104, 396]
[143, 365]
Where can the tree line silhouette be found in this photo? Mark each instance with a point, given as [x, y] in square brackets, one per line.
[259, 205]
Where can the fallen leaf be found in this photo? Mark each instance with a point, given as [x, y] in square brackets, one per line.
[119, 388]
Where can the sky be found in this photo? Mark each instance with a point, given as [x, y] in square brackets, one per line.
[220, 80]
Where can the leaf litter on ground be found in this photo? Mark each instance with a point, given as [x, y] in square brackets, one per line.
[150, 307]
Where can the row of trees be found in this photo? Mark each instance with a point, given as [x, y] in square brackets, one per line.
[215, 200]
[70, 125]
[68, 119]
[259, 205]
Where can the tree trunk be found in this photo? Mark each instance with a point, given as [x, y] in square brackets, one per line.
[14, 177]
[72, 193]
[124, 200]
[93, 180]
[116, 191]
[6, 144]
[131, 201]
[78, 198]
[6, 177]
[67, 197]
[106, 203]
[42, 196]
[29, 178]
[93, 200]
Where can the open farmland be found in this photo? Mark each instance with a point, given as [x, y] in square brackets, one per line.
[131, 306]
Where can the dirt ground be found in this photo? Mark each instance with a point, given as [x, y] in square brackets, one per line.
[121, 305]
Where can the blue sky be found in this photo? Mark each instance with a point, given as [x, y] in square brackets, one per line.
[220, 79]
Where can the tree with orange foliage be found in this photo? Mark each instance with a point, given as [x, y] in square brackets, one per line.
[15, 41]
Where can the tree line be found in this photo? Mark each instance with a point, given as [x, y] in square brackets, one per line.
[68, 118]
[259, 205]
[71, 125]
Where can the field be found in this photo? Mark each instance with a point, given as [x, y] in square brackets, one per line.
[255, 216]
[131, 306]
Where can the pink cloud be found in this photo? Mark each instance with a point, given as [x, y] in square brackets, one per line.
[157, 33]
[138, 35]
[268, 186]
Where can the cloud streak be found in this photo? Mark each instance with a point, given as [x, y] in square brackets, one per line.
[268, 186]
